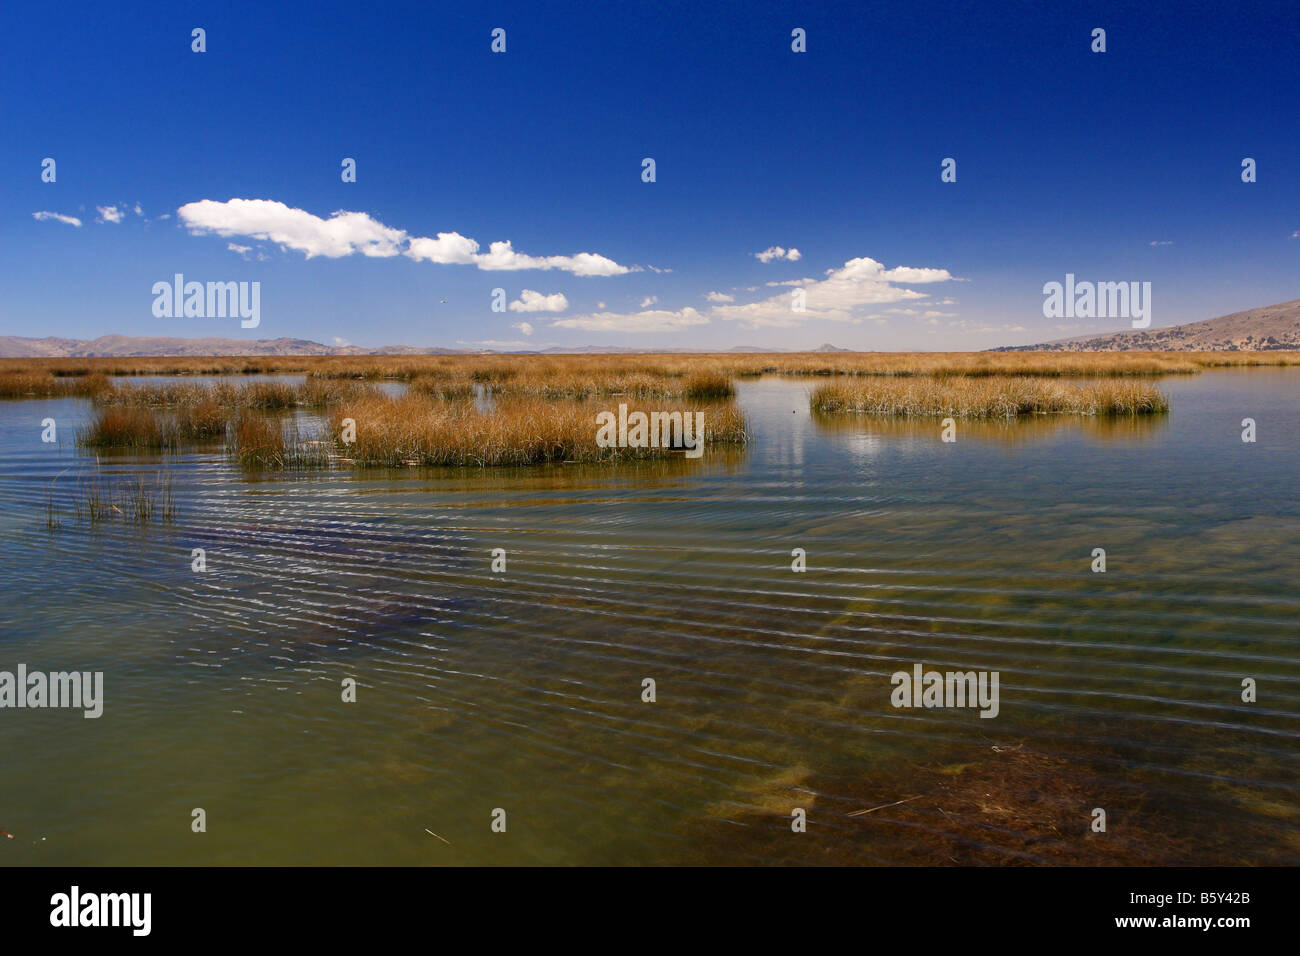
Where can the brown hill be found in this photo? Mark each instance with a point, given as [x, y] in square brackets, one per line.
[1268, 328]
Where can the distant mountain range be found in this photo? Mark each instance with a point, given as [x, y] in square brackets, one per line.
[125, 346]
[1264, 329]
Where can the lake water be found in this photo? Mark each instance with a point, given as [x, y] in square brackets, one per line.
[523, 690]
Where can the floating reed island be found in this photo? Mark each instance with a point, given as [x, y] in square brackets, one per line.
[410, 430]
[433, 423]
[1003, 396]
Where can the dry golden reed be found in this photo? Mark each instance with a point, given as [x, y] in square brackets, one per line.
[631, 374]
[411, 430]
[987, 397]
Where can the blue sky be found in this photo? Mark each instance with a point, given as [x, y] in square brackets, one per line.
[1118, 166]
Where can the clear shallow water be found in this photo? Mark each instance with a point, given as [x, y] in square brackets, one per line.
[523, 690]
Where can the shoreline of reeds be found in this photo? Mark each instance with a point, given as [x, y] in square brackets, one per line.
[635, 374]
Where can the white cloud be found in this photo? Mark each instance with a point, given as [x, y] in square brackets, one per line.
[859, 282]
[497, 344]
[657, 269]
[501, 255]
[341, 235]
[777, 252]
[649, 301]
[247, 253]
[450, 248]
[1161, 242]
[345, 233]
[341, 343]
[1296, 234]
[138, 210]
[110, 214]
[659, 320]
[524, 327]
[843, 296]
[980, 328]
[530, 301]
[44, 216]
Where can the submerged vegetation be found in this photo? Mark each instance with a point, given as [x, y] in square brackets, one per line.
[988, 397]
[138, 498]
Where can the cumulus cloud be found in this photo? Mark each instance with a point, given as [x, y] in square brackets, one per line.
[657, 320]
[530, 301]
[138, 210]
[501, 255]
[524, 327]
[649, 301]
[43, 216]
[450, 248]
[110, 214]
[851, 293]
[343, 234]
[777, 252]
[346, 233]
[341, 343]
[858, 283]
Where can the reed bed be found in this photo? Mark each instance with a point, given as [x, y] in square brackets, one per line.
[44, 384]
[259, 443]
[407, 431]
[155, 428]
[987, 397]
[267, 396]
[633, 374]
[139, 428]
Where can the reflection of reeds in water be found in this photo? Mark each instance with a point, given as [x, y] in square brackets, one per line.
[1021, 430]
[988, 397]
[413, 431]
